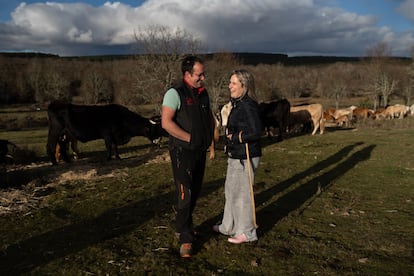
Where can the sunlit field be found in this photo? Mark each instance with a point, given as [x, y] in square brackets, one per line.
[340, 203]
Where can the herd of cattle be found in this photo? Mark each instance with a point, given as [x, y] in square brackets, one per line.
[116, 125]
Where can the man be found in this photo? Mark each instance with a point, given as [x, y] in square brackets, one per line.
[187, 117]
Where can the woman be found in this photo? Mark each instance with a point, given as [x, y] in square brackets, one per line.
[244, 151]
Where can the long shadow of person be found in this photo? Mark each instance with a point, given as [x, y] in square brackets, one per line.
[305, 193]
[270, 215]
[267, 215]
[39, 250]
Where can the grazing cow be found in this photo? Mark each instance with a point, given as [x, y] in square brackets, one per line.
[361, 113]
[7, 149]
[114, 123]
[396, 111]
[275, 114]
[412, 110]
[316, 112]
[343, 120]
[301, 119]
[328, 117]
[344, 111]
[378, 114]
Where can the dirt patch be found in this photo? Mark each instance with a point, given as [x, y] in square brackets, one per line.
[161, 158]
[42, 179]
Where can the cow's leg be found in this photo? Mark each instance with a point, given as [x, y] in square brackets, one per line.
[52, 141]
[63, 143]
[268, 132]
[322, 126]
[315, 126]
[115, 148]
[57, 152]
[71, 139]
[215, 140]
[108, 145]
[280, 136]
[75, 149]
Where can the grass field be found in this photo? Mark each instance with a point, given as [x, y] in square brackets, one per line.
[334, 204]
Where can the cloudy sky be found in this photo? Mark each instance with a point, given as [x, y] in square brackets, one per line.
[293, 27]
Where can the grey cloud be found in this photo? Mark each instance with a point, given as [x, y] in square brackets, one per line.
[292, 27]
[407, 9]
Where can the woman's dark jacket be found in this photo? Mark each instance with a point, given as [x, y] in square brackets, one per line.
[195, 117]
[245, 125]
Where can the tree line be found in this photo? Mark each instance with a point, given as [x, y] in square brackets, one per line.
[143, 78]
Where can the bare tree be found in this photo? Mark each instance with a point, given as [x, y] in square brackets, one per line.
[96, 86]
[36, 79]
[123, 77]
[218, 77]
[408, 90]
[161, 49]
[270, 81]
[337, 79]
[382, 84]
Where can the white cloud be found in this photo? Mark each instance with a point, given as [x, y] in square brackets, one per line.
[284, 26]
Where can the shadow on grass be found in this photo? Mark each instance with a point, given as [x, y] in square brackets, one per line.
[41, 173]
[39, 250]
[296, 199]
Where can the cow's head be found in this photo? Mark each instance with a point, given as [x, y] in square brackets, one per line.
[225, 112]
[156, 132]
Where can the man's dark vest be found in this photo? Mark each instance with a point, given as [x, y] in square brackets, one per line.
[194, 116]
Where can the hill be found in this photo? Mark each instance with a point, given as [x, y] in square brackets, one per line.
[245, 58]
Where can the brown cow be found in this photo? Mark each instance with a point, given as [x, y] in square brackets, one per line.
[328, 117]
[316, 112]
[361, 113]
[300, 121]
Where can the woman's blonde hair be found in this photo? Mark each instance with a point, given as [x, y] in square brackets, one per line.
[247, 81]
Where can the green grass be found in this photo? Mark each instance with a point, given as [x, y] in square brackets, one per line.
[334, 204]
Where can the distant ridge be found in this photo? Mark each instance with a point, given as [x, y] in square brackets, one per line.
[265, 58]
[245, 58]
[26, 54]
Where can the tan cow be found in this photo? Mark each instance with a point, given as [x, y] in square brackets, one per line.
[344, 111]
[316, 112]
[396, 111]
[343, 121]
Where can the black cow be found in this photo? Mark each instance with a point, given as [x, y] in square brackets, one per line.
[275, 114]
[300, 122]
[114, 123]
